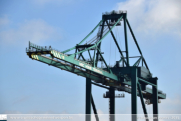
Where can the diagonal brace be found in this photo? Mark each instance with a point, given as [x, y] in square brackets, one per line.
[116, 42]
[142, 102]
[137, 61]
[104, 61]
[100, 39]
[136, 43]
[94, 108]
[84, 38]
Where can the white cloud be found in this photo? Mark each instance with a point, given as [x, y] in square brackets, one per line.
[152, 16]
[171, 105]
[34, 30]
[100, 111]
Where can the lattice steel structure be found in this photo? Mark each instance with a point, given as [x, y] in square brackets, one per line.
[129, 78]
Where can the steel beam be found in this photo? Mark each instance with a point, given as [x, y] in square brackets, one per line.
[104, 60]
[116, 43]
[84, 38]
[94, 108]
[133, 36]
[146, 82]
[126, 40]
[100, 85]
[112, 103]
[90, 55]
[143, 60]
[100, 39]
[88, 100]
[155, 100]
[134, 81]
[142, 102]
[99, 45]
[137, 61]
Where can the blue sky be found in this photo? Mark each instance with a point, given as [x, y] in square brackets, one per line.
[28, 86]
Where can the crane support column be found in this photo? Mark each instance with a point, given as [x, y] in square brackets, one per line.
[112, 104]
[88, 100]
[134, 80]
[126, 40]
[155, 99]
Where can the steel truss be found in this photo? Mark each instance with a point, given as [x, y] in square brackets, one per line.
[131, 79]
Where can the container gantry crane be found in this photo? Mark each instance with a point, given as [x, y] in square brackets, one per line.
[132, 79]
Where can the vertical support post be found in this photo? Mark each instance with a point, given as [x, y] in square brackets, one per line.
[112, 104]
[29, 45]
[155, 100]
[126, 41]
[90, 56]
[94, 56]
[142, 61]
[88, 100]
[75, 52]
[134, 81]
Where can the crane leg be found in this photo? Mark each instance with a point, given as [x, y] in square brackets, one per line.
[155, 100]
[134, 81]
[112, 104]
[88, 100]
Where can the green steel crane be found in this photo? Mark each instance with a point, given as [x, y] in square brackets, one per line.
[132, 79]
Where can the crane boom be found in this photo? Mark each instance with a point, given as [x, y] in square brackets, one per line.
[68, 63]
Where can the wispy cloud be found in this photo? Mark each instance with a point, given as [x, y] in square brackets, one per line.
[154, 16]
[171, 105]
[35, 30]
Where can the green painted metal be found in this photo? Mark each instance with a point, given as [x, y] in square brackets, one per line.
[82, 57]
[104, 61]
[82, 64]
[94, 57]
[100, 39]
[143, 60]
[129, 75]
[90, 55]
[142, 102]
[126, 40]
[50, 61]
[64, 66]
[116, 43]
[146, 82]
[88, 99]
[137, 61]
[134, 81]
[133, 36]
[99, 45]
[160, 96]
[84, 38]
